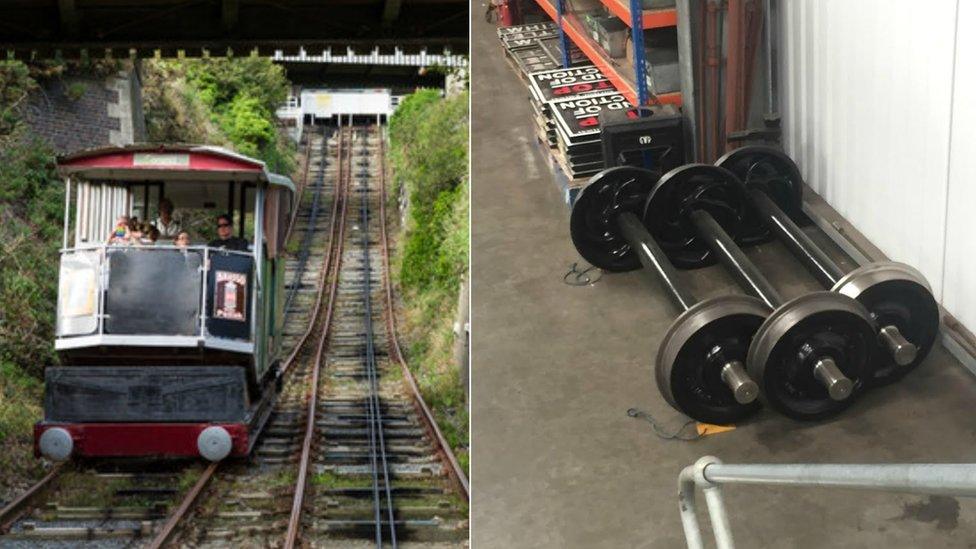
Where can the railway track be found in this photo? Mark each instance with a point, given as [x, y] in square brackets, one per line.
[106, 504]
[351, 455]
[340, 461]
[375, 473]
[244, 504]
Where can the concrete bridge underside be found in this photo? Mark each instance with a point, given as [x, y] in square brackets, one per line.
[120, 28]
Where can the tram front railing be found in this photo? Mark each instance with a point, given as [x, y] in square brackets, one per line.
[193, 293]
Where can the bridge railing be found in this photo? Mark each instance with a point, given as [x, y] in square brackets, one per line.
[374, 57]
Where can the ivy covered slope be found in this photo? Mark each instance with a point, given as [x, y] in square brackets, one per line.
[429, 165]
[219, 101]
[31, 203]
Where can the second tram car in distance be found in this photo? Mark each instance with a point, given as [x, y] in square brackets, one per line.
[166, 350]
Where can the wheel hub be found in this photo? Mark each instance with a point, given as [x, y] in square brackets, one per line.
[801, 332]
[699, 343]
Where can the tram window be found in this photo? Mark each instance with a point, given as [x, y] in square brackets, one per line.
[248, 232]
[145, 200]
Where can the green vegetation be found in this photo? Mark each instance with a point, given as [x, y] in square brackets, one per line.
[282, 478]
[219, 101]
[327, 480]
[31, 204]
[429, 163]
[31, 211]
[20, 408]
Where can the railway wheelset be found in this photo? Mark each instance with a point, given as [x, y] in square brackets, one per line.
[810, 357]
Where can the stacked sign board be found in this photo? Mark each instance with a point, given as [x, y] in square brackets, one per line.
[553, 86]
[567, 102]
[577, 121]
[535, 47]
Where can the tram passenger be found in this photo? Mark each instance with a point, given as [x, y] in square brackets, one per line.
[136, 233]
[182, 239]
[167, 225]
[225, 235]
[120, 234]
[151, 234]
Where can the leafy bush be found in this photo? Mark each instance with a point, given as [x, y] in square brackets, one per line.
[31, 207]
[174, 111]
[247, 125]
[31, 211]
[429, 160]
[75, 90]
[15, 84]
[219, 101]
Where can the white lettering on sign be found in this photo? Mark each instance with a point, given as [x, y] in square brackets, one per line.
[578, 116]
[161, 159]
[592, 101]
[570, 74]
[533, 27]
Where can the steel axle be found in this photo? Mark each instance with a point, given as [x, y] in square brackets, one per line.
[824, 268]
[825, 370]
[658, 267]
[897, 295]
[810, 353]
[699, 368]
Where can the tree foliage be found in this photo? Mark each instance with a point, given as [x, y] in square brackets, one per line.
[15, 85]
[222, 101]
[173, 109]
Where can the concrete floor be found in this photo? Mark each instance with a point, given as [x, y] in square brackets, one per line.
[556, 460]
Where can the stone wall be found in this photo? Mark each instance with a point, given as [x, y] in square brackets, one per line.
[76, 113]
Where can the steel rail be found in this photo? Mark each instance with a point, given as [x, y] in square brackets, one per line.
[12, 512]
[444, 449]
[323, 273]
[375, 414]
[301, 189]
[164, 535]
[304, 251]
[335, 259]
[367, 364]
[186, 505]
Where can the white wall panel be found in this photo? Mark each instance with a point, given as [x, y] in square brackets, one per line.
[959, 290]
[866, 99]
[326, 103]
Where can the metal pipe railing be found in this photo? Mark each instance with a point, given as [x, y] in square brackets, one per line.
[102, 272]
[709, 473]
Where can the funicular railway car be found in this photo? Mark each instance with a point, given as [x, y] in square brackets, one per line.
[167, 348]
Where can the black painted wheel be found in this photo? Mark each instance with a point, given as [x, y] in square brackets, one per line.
[799, 333]
[895, 294]
[593, 221]
[694, 350]
[683, 190]
[773, 171]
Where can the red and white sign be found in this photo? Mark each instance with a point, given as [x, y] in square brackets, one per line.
[230, 296]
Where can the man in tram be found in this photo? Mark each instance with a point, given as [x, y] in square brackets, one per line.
[225, 236]
[167, 226]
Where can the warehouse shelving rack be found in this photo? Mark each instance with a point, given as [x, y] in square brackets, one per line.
[638, 20]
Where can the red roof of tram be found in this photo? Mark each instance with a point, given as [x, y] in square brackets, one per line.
[167, 162]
